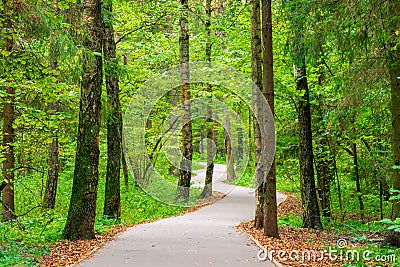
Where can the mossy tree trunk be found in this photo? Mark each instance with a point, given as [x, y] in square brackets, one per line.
[311, 216]
[393, 61]
[82, 208]
[112, 199]
[49, 200]
[8, 130]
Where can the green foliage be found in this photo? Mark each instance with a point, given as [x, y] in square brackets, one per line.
[290, 220]
[345, 46]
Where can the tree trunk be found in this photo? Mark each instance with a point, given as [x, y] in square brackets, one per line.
[9, 161]
[49, 199]
[257, 76]
[230, 170]
[186, 160]
[112, 199]
[358, 184]
[240, 145]
[323, 166]
[311, 217]
[8, 209]
[211, 134]
[82, 208]
[394, 71]
[125, 170]
[270, 205]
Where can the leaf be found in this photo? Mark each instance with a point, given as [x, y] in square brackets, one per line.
[386, 221]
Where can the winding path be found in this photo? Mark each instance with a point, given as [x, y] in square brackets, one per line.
[206, 237]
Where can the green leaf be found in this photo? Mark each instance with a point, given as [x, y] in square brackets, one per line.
[386, 221]
[393, 227]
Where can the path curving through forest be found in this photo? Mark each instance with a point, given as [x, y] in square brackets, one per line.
[206, 237]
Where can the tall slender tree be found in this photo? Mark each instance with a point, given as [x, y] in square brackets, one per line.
[186, 160]
[82, 207]
[49, 199]
[311, 216]
[270, 205]
[257, 76]
[230, 170]
[53, 162]
[8, 208]
[112, 200]
[211, 134]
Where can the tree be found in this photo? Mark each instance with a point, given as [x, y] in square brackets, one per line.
[230, 170]
[393, 59]
[185, 171]
[82, 207]
[53, 162]
[257, 76]
[49, 199]
[114, 121]
[270, 205]
[311, 217]
[8, 121]
[211, 134]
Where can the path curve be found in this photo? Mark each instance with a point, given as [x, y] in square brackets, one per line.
[206, 237]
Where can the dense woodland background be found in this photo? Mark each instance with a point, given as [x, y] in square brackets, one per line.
[69, 69]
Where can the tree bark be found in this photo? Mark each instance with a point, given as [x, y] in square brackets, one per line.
[311, 218]
[112, 199]
[394, 71]
[8, 209]
[257, 76]
[230, 170]
[82, 208]
[324, 166]
[393, 59]
[270, 205]
[211, 134]
[186, 160]
[49, 199]
[358, 183]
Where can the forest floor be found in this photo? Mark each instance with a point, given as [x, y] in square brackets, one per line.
[315, 248]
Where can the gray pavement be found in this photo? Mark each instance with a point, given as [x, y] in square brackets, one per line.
[206, 237]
